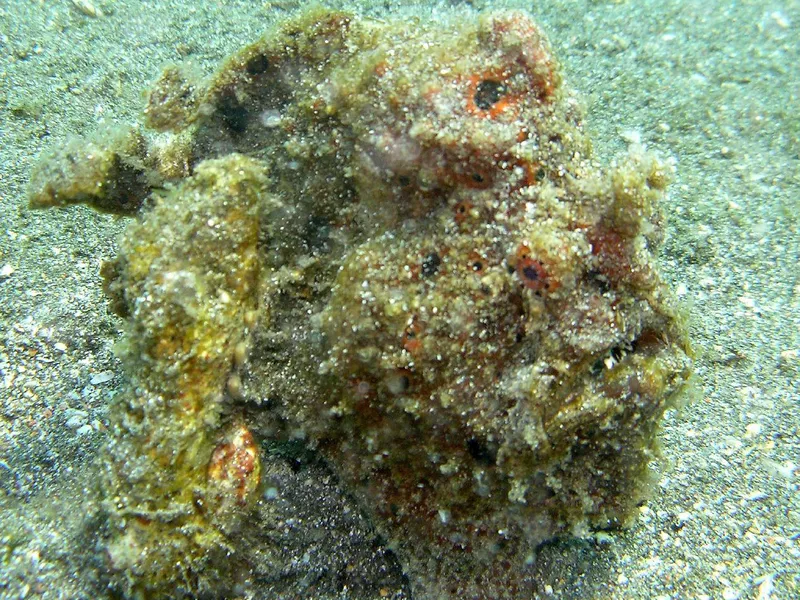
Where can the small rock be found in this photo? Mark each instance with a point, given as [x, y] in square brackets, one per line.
[75, 417]
[752, 430]
[102, 377]
[747, 301]
[755, 495]
[84, 429]
[87, 8]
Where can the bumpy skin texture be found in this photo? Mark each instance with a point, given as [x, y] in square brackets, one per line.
[457, 306]
[177, 479]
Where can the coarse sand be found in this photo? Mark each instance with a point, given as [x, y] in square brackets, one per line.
[713, 84]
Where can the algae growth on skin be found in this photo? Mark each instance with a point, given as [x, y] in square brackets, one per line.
[392, 238]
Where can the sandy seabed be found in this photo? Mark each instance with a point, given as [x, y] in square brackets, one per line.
[714, 85]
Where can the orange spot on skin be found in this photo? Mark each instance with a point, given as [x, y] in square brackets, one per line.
[381, 68]
[411, 337]
[613, 255]
[318, 105]
[414, 272]
[234, 467]
[462, 211]
[476, 263]
[431, 92]
[532, 271]
[530, 172]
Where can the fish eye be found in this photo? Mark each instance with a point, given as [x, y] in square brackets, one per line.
[488, 93]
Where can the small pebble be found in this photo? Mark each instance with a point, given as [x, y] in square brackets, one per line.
[87, 8]
[765, 586]
[785, 470]
[84, 429]
[780, 20]
[76, 418]
[271, 118]
[756, 495]
[747, 301]
[632, 136]
[102, 377]
[752, 430]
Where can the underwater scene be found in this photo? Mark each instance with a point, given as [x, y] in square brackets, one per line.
[444, 300]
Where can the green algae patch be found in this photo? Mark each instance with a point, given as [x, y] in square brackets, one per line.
[397, 233]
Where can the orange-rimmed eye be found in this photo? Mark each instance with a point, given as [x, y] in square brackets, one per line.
[488, 95]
